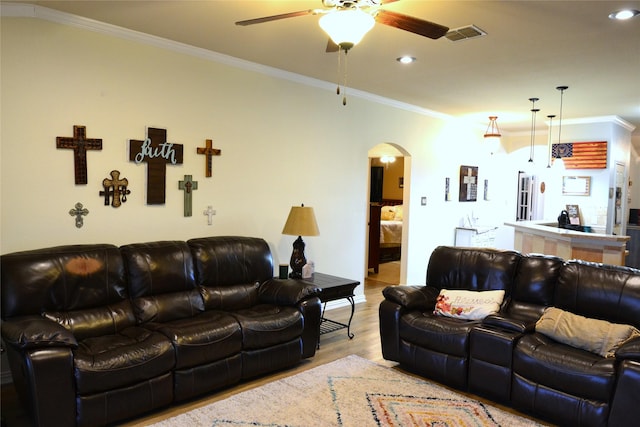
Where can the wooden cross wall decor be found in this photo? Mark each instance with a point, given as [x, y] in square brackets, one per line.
[188, 185]
[157, 153]
[115, 189]
[79, 144]
[209, 151]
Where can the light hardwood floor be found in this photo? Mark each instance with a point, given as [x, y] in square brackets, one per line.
[333, 346]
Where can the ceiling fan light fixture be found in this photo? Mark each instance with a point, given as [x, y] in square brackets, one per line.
[346, 27]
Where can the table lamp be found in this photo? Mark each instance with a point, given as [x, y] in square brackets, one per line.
[301, 222]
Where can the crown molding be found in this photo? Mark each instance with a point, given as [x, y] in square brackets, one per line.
[23, 10]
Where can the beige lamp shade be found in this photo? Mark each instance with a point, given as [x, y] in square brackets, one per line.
[301, 222]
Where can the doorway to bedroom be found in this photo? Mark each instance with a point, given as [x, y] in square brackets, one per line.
[386, 223]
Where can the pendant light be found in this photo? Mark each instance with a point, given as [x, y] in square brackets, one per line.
[492, 135]
[534, 111]
[549, 143]
[558, 163]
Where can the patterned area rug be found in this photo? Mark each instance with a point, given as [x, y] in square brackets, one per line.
[350, 392]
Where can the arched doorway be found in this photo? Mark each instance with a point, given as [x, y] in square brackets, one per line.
[388, 208]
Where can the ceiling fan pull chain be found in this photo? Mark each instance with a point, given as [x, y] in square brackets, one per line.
[339, 67]
[344, 97]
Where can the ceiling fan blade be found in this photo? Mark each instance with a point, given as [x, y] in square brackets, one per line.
[331, 46]
[411, 24]
[276, 17]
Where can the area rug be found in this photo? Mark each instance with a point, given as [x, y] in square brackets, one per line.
[350, 392]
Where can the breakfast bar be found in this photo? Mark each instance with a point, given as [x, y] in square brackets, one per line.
[545, 237]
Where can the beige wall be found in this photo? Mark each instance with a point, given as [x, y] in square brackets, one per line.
[274, 153]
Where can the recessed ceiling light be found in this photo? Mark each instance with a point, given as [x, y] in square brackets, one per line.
[623, 15]
[406, 59]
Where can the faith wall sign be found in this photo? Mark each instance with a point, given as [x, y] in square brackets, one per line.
[157, 153]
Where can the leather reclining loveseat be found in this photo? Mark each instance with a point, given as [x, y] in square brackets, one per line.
[507, 356]
[96, 333]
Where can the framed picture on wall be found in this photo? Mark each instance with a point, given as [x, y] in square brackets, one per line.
[468, 184]
[576, 185]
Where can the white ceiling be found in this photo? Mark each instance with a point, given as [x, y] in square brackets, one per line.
[531, 47]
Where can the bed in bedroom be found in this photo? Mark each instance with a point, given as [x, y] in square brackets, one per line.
[385, 232]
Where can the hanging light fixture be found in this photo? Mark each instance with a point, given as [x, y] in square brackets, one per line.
[347, 27]
[386, 159]
[558, 163]
[549, 144]
[492, 134]
[534, 111]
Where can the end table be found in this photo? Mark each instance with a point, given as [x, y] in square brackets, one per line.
[333, 288]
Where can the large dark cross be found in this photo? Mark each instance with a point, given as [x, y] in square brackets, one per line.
[80, 144]
[157, 153]
[209, 151]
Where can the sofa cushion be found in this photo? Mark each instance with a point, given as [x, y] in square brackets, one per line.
[158, 267]
[229, 260]
[442, 334]
[266, 325]
[477, 269]
[106, 320]
[168, 307]
[594, 335]
[599, 291]
[471, 305]
[230, 297]
[114, 361]
[567, 369]
[202, 339]
[62, 278]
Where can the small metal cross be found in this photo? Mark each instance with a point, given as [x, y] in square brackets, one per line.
[210, 212]
[79, 212]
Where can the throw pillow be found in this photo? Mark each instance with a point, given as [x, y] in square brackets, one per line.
[398, 213]
[594, 335]
[470, 305]
[387, 213]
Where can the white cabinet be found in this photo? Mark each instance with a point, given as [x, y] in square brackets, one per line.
[479, 237]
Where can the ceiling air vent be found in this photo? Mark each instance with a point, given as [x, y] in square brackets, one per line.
[464, 33]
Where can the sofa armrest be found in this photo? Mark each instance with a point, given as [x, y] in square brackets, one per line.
[510, 323]
[629, 350]
[412, 297]
[36, 332]
[286, 291]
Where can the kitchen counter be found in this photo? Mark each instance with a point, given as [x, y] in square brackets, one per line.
[545, 237]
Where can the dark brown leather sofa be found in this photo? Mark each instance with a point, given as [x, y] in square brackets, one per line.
[503, 356]
[96, 334]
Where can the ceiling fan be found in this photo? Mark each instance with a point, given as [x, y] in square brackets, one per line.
[366, 11]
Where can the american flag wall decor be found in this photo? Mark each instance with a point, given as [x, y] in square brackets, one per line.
[581, 155]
